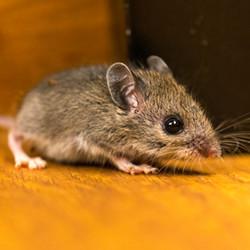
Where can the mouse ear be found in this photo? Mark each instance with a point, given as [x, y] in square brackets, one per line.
[123, 88]
[157, 64]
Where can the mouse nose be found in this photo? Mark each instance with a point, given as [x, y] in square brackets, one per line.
[206, 150]
[205, 147]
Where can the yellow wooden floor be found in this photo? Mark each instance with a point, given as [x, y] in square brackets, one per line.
[67, 207]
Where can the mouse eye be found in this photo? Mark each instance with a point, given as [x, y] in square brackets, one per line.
[174, 125]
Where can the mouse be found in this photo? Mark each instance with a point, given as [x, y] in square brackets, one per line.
[128, 116]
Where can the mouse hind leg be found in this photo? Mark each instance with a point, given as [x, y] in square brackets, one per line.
[21, 158]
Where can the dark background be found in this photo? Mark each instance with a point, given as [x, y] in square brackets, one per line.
[205, 43]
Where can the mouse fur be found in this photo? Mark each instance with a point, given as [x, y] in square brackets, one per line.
[104, 113]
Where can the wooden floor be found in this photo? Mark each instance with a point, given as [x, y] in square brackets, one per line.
[68, 207]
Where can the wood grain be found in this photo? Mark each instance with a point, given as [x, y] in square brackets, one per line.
[84, 207]
[68, 207]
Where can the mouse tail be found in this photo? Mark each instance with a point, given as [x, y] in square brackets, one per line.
[7, 122]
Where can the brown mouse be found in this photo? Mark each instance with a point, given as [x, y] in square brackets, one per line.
[131, 117]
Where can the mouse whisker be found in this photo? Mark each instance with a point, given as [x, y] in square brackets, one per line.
[233, 123]
[234, 145]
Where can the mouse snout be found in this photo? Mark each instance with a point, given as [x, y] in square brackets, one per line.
[205, 147]
[206, 150]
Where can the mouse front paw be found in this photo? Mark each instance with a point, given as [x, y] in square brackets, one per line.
[141, 169]
[128, 167]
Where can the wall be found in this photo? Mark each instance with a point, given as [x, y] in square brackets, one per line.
[206, 43]
[43, 36]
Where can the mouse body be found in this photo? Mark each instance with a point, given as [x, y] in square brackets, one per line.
[128, 116]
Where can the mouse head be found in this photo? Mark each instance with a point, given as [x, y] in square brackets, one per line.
[161, 119]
